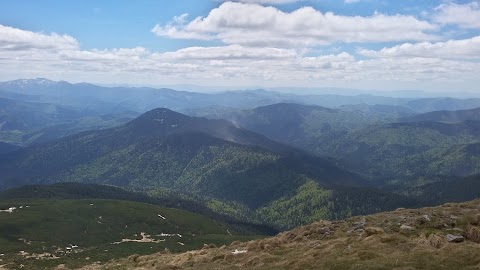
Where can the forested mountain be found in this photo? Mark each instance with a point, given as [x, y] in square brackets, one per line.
[424, 105]
[405, 151]
[28, 116]
[299, 125]
[211, 158]
[6, 147]
[445, 116]
[369, 140]
[186, 202]
[69, 128]
[166, 149]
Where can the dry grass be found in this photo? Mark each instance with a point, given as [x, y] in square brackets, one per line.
[473, 234]
[334, 245]
[436, 240]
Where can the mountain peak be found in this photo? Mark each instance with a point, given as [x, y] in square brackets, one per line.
[160, 121]
[38, 82]
[163, 116]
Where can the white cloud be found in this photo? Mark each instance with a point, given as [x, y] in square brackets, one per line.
[255, 25]
[460, 49]
[351, 1]
[16, 39]
[229, 53]
[272, 2]
[465, 16]
[234, 65]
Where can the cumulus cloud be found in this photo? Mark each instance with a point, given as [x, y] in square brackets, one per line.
[15, 39]
[256, 25]
[229, 53]
[461, 49]
[233, 65]
[465, 16]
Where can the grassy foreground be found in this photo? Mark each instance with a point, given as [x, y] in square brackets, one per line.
[41, 234]
[402, 239]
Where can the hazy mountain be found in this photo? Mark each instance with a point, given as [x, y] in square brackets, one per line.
[363, 138]
[69, 128]
[106, 100]
[401, 151]
[445, 103]
[307, 126]
[445, 116]
[6, 148]
[28, 116]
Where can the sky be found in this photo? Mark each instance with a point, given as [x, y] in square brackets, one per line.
[431, 45]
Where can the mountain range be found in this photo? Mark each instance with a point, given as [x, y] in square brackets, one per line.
[252, 162]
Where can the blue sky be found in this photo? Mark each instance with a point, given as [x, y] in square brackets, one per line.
[366, 44]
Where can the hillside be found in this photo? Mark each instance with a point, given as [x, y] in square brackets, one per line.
[29, 116]
[166, 149]
[58, 131]
[446, 236]
[445, 116]
[405, 151]
[209, 158]
[300, 125]
[240, 172]
[98, 230]
[6, 148]
[165, 198]
[367, 140]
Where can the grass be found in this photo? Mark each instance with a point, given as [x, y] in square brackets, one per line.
[335, 245]
[48, 226]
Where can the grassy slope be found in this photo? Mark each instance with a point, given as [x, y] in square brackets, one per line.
[94, 225]
[381, 244]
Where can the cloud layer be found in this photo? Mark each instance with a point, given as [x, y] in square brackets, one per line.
[466, 49]
[235, 63]
[256, 25]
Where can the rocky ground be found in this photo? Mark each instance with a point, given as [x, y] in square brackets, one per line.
[443, 237]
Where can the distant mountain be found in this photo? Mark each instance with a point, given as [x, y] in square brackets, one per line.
[379, 111]
[6, 148]
[400, 151]
[364, 139]
[105, 100]
[307, 126]
[69, 128]
[437, 104]
[28, 116]
[445, 116]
